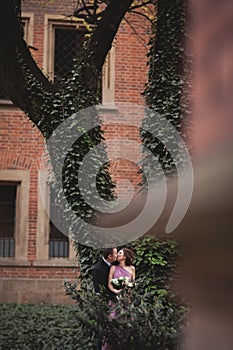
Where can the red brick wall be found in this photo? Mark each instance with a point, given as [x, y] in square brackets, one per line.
[130, 80]
[131, 50]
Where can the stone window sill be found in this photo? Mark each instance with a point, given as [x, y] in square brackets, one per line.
[56, 262]
[13, 262]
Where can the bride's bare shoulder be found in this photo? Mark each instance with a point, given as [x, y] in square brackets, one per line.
[112, 268]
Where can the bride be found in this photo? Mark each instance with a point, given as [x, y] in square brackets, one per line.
[125, 268]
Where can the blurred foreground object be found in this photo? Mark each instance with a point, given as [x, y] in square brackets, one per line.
[207, 230]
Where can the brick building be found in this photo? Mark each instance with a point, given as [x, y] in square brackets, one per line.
[34, 258]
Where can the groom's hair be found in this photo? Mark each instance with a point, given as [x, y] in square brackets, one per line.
[107, 251]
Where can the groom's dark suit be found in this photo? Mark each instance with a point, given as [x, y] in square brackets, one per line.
[100, 278]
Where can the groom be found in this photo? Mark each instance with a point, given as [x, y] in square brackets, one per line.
[101, 270]
[100, 277]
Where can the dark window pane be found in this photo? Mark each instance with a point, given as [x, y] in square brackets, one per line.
[7, 229]
[58, 248]
[7, 193]
[7, 219]
[7, 247]
[68, 42]
[7, 212]
[58, 242]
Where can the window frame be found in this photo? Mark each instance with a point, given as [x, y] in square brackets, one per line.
[108, 72]
[13, 220]
[52, 22]
[22, 177]
[42, 244]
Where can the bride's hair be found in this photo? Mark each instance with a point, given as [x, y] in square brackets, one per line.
[129, 254]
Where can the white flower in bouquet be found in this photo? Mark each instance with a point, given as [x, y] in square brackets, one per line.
[130, 284]
[121, 282]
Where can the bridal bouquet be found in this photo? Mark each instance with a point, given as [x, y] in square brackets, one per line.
[121, 282]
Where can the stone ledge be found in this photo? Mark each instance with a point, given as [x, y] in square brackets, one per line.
[11, 262]
[8, 105]
[55, 263]
[109, 108]
[14, 262]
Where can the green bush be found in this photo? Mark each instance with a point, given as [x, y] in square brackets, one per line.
[149, 316]
[139, 321]
[37, 327]
[156, 262]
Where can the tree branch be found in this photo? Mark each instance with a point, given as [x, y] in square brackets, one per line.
[143, 3]
[104, 34]
[143, 15]
[13, 80]
[140, 39]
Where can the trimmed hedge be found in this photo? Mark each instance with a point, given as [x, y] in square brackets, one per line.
[39, 327]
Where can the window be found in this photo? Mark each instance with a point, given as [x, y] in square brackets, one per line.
[108, 79]
[8, 192]
[63, 41]
[53, 248]
[68, 42]
[14, 208]
[58, 242]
